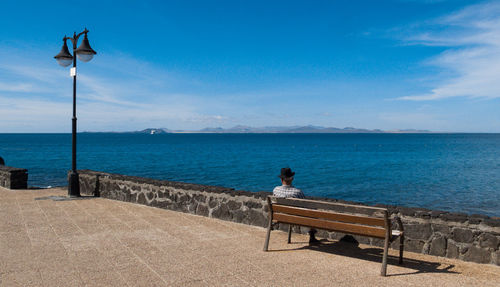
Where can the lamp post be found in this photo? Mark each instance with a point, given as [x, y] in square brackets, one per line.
[85, 53]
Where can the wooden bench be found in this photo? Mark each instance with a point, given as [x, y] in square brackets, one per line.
[345, 218]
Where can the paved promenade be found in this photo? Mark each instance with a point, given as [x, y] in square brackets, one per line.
[100, 242]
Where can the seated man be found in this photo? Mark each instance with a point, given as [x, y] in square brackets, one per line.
[288, 190]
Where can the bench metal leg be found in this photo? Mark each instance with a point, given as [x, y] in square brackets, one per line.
[401, 248]
[289, 233]
[401, 239]
[269, 227]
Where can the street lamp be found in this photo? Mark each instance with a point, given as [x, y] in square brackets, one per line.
[64, 58]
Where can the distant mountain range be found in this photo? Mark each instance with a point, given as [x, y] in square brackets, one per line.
[278, 129]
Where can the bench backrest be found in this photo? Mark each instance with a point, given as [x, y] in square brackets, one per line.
[348, 218]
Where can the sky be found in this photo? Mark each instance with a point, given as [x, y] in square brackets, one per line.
[399, 64]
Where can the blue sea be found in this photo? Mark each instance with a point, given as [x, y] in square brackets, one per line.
[452, 172]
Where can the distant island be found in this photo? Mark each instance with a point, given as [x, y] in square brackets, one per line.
[273, 129]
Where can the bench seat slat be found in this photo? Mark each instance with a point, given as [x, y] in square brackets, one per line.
[330, 206]
[330, 225]
[329, 215]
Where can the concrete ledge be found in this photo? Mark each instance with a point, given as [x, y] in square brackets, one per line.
[473, 238]
[13, 178]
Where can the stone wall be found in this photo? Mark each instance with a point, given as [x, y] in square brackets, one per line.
[13, 178]
[454, 235]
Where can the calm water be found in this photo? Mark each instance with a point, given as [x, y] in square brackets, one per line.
[454, 172]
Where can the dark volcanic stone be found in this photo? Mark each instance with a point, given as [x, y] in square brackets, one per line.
[213, 202]
[441, 228]
[221, 212]
[496, 258]
[423, 214]
[251, 204]
[462, 235]
[322, 233]
[438, 246]
[463, 249]
[161, 193]
[261, 194]
[257, 218]
[487, 240]
[172, 184]
[300, 229]
[437, 213]
[150, 195]
[160, 204]
[182, 206]
[335, 235]
[492, 222]
[141, 199]
[418, 230]
[233, 205]
[281, 226]
[192, 207]
[377, 242]
[456, 217]
[414, 245]
[407, 211]
[266, 208]
[202, 210]
[183, 198]
[128, 197]
[364, 239]
[171, 195]
[239, 216]
[452, 250]
[477, 218]
[477, 255]
[200, 197]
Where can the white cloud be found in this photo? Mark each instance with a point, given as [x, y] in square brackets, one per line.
[415, 120]
[472, 36]
[16, 87]
[116, 92]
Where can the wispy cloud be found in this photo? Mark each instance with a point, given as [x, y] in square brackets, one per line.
[472, 57]
[16, 87]
[116, 92]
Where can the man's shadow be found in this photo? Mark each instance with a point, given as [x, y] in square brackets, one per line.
[349, 247]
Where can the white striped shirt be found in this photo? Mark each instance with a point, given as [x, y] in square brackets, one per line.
[288, 191]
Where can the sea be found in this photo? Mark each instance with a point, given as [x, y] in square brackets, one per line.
[450, 172]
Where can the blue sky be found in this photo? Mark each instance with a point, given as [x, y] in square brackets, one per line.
[192, 64]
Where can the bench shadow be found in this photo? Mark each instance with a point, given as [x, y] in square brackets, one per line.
[65, 198]
[350, 249]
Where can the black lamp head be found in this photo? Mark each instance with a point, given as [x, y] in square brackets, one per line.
[85, 52]
[64, 58]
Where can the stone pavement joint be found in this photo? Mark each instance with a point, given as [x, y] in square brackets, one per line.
[47, 240]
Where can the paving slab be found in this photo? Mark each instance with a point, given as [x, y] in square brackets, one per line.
[46, 241]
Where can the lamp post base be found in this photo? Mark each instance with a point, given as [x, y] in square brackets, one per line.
[74, 185]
